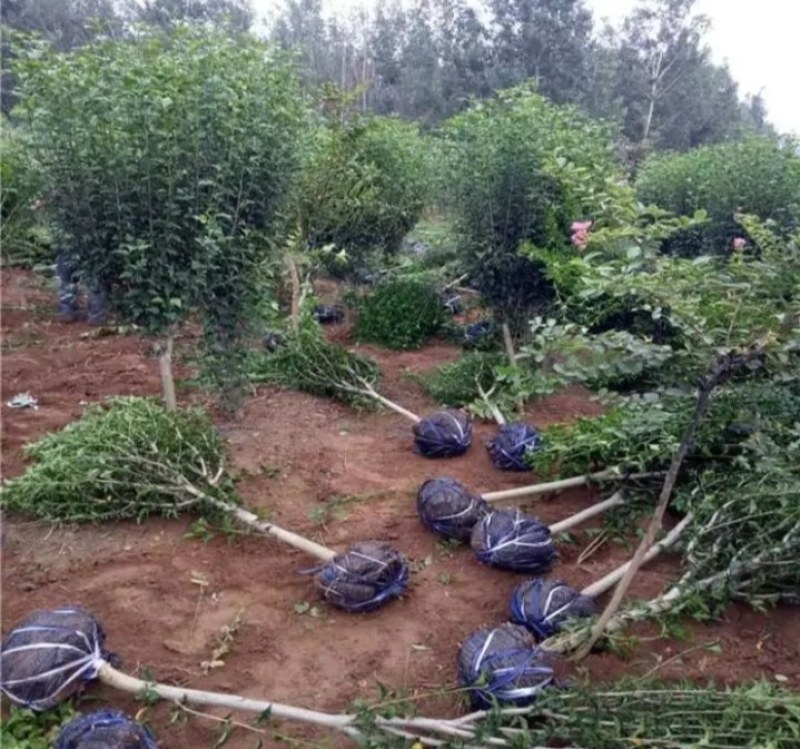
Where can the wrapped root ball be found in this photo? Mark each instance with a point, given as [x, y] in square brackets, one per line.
[50, 656]
[446, 507]
[514, 541]
[272, 341]
[443, 434]
[511, 446]
[503, 664]
[105, 729]
[327, 314]
[544, 606]
[370, 574]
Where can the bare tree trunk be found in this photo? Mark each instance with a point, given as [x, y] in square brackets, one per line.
[165, 370]
[294, 278]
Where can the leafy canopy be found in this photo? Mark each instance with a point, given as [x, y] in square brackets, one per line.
[166, 159]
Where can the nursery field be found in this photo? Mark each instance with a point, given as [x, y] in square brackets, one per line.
[188, 606]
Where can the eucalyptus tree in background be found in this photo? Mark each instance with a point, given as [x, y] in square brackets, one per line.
[166, 161]
[236, 15]
[66, 25]
[548, 40]
[675, 97]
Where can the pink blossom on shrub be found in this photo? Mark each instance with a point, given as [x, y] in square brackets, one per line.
[580, 234]
[739, 243]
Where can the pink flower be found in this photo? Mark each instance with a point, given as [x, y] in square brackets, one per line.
[580, 234]
[739, 243]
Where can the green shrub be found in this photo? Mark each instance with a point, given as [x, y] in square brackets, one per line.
[400, 314]
[307, 361]
[168, 159]
[24, 238]
[522, 170]
[456, 384]
[365, 188]
[758, 176]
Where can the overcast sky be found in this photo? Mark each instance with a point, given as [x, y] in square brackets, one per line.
[757, 38]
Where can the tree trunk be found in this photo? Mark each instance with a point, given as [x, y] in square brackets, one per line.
[294, 277]
[165, 369]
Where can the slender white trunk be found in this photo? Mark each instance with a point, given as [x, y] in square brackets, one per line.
[165, 369]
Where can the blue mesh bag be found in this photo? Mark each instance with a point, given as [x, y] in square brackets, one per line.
[446, 507]
[502, 665]
[443, 434]
[514, 541]
[327, 314]
[511, 446]
[544, 606]
[363, 578]
[105, 729]
[50, 657]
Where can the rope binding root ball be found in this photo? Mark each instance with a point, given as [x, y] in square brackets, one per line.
[504, 665]
[510, 448]
[50, 656]
[446, 507]
[363, 578]
[105, 729]
[443, 434]
[545, 606]
[512, 540]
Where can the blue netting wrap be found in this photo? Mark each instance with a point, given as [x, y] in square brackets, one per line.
[512, 444]
[50, 656]
[446, 507]
[272, 341]
[443, 434]
[503, 665]
[544, 606]
[514, 541]
[329, 313]
[453, 304]
[105, 729]
[370, 574]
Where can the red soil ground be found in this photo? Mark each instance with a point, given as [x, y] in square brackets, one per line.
[332, 474]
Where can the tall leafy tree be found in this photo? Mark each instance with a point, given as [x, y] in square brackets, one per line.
[65, 25]
[167, 160]
[234, 14]
[675, 97]
[548, 40]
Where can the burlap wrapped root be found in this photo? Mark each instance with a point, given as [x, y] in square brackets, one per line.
[50, 656]
[544, 607]
[503, 665]
[363, 578]
[446, 507]
[105, 729]
[444, 434]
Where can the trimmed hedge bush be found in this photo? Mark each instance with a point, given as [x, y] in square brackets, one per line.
[758, 175]
[366, 188]
[400, 314]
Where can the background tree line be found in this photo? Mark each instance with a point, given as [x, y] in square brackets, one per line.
[652, 76]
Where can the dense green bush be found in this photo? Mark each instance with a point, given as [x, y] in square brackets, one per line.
[366, 187]
[522, 170]
[401, 314]
[457, 384]
[24, 238]
[168, 159]
[758, 176]
[308, 361]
